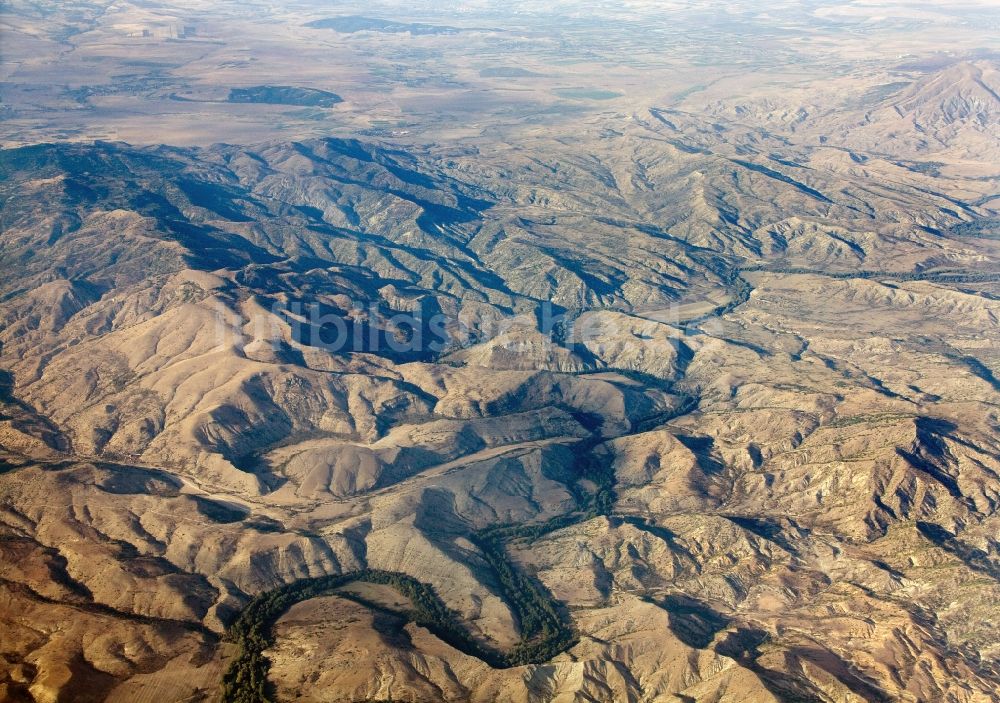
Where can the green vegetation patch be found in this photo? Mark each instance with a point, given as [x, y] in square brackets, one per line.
[246, 679]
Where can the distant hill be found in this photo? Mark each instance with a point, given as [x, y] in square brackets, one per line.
[964, 93]
[354, 23]
[508, 72]
[284, 95]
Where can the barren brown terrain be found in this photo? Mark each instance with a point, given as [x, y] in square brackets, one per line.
[536, 352]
